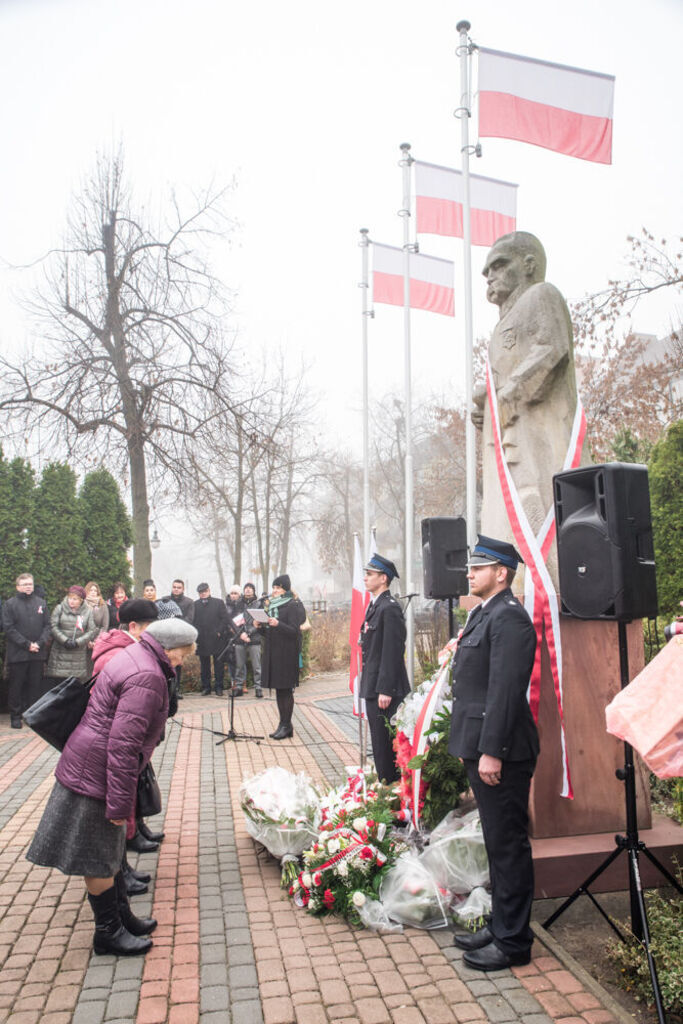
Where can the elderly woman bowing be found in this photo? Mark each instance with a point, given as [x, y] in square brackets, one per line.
[83, 828]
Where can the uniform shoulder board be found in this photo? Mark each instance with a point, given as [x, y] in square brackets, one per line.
[512, 602]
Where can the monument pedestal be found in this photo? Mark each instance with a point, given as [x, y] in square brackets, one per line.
[591, 678]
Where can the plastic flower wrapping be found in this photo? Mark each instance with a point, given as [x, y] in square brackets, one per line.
[411, 895]
[456, 855]
[282, 812]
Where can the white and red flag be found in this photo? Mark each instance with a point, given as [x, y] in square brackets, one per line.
[565, 109]
[432, 280]
[360, 600]
[439, 193]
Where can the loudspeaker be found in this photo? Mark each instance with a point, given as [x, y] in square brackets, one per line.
[444, 556]
[604, 542]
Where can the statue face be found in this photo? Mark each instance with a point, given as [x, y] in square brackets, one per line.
[505, 270]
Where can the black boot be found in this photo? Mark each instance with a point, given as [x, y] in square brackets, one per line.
[140, 844]
[152, 837]
[258, 692]
[279, 727]
[110, 935]
[135, 925]
[134, 887]
[284, 732]
[129, 872]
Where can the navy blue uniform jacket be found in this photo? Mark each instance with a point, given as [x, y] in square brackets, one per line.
[491, 672]
[383, 639]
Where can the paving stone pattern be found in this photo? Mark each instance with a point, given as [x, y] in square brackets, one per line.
[230, 947]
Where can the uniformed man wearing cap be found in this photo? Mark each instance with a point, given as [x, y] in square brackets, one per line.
[384, 680]
[493, 731]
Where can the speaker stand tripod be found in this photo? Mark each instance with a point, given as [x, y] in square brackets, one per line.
[633, 846]
[231, 734]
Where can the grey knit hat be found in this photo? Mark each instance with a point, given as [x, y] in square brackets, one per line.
[172, 633]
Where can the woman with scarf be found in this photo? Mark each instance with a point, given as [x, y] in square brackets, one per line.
[282, 648]
[100, 614]
[118, 596]
[73, 627]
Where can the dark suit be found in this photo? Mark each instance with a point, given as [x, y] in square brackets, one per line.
[491, 715]
[383, 641]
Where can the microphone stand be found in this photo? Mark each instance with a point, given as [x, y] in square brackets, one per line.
[231, 734]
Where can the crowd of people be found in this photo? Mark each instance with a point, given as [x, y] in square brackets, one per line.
[133, 649]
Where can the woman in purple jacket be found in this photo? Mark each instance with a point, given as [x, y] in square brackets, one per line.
[83, 828]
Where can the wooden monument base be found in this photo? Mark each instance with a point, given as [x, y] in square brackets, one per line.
[591, 678]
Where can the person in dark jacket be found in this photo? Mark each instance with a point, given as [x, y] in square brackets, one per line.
[281, 651]
[186, 605]
[118, 596]
[249, 644]
[384, 679]
[235, 606]
[493, 731]
[213, 627]
[82, 830]
[26, 623]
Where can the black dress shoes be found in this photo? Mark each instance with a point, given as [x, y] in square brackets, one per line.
[491, 958]
[140, 844]
[151, 837]
[284, 732]
[473, 940]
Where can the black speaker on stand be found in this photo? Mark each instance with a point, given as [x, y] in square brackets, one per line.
[606, 565]
[444, 560]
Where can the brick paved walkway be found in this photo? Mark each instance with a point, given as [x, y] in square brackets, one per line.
[230, 947]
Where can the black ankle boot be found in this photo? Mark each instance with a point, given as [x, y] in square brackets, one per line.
[135, 925]
[272, 734]
[284, 732]
[140, 844]
[129, 872]
[110, 935]
[152, 837]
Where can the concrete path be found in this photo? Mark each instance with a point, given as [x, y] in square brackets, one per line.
[230, 947]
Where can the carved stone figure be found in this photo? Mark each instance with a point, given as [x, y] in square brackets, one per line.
[532, 363]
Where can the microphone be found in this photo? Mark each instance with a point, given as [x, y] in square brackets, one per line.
[403, 597]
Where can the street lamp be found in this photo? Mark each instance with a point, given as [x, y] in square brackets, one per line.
[155, 542]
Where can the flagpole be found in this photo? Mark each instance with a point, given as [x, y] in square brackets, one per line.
[366, 314]
[464, 113]
[361, 744]
[405, 162]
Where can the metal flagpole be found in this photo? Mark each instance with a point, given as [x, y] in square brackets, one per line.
[362, 740]
[366, 314]
[405, 162]
[464, 113]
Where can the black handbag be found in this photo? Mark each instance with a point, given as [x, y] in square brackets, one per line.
[55, 715]
[149, 794]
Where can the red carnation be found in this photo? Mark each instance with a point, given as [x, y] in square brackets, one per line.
[328, 898]
[366, 853]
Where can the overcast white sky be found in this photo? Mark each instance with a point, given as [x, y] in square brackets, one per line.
[305, 105]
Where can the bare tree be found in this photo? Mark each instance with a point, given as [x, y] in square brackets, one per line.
[130, 318]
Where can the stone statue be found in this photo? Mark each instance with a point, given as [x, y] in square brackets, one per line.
[532, 362]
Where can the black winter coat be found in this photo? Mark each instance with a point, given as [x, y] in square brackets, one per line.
[383, 641]
[282, 646]
[211, 623]
[491, 673]
[26, 620]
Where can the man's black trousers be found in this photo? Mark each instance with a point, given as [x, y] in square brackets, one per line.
[504, 812]
[25, 685]
[382, 749]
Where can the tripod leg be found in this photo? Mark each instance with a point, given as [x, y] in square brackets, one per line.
[641, 930]
[583, 888]
[660, 867]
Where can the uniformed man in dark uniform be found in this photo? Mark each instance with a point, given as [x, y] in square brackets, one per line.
[384, 680]
[493, 731]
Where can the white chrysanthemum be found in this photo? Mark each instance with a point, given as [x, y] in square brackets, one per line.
[333, 846]
[306, 880]
[358, 899]
[360, 824]
[343, 869]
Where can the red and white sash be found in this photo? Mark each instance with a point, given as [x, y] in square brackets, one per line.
[540, 598]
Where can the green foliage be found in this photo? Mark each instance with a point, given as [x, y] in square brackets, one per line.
[444, 773]
[666, 497]
[58, 558]
[667, 796]
[17, 492]
[665, 918]
[628, 447]
[107, 531]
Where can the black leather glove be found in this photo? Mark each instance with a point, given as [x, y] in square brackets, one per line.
[70, 645]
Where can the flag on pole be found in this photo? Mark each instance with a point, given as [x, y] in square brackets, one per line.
[565, 109]
[440, 197]
[432, 280]
[359, 603]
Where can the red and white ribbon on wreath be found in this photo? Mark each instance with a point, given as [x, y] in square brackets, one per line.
[422, 729]
[540, 597]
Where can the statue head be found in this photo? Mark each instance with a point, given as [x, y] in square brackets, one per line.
[514, 263]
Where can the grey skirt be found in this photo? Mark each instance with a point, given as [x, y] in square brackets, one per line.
[75, 836]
